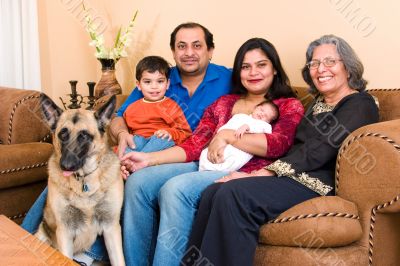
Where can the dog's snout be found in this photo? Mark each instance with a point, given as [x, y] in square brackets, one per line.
[70, 162]
[74, 151]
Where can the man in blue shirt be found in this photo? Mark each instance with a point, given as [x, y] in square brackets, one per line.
[195, 82]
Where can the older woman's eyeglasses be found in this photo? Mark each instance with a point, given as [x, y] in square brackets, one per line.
[328, 62]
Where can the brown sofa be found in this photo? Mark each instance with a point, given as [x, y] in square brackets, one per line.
[24, 151]
[359, 226]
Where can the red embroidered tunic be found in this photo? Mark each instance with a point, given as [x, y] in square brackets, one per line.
[217, 114]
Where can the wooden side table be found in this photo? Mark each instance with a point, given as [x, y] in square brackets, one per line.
[18, 247]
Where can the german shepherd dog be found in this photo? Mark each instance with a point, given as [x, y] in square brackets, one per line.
[85, 188]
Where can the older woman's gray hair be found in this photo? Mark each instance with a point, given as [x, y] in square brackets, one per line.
[349, 58]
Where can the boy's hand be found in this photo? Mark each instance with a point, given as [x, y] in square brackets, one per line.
[241, 130]
[163, 134]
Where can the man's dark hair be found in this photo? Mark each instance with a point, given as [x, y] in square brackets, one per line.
[190, 25]
[152, 64]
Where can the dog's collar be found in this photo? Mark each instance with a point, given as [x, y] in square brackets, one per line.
[78, 176]
[85, 187]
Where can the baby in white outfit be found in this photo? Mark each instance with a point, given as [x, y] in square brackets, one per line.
[257, 122]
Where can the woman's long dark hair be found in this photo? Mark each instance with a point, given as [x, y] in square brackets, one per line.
[280, 87]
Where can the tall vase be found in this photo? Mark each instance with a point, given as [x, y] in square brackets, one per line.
[108, 83]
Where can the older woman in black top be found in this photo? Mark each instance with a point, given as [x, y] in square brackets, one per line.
[230, 214]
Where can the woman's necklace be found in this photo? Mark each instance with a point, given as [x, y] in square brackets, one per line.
[321, 107]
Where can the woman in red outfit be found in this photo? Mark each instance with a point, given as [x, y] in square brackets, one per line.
[170, 181]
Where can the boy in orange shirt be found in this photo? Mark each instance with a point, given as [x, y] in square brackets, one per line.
[156, 121]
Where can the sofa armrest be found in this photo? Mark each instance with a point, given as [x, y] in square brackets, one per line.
[21, 118]
[368, 167]
[23, 164]
[327, 221]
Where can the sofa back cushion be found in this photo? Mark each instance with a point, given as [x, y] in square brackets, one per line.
[389, 103]
[304, 95]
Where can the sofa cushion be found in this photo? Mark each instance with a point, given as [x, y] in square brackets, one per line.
[328, 221]
[22, 164]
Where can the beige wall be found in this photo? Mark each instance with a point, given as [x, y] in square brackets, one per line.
[370, 27]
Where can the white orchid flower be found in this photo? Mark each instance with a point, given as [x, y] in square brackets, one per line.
[123, 39]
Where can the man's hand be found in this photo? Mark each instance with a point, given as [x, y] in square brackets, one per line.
[133, 161]
[124, 172]
[163, 134]
[124, 140]
[241, 130]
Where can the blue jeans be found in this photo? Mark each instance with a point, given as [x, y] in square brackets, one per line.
[34, 217]
[150, 144]
[159, 207]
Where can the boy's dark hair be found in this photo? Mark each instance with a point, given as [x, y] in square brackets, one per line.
[274, 107]
[152, 64]
[190, 25]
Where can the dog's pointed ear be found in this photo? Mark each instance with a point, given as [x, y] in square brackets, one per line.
[103, 115]
[50, 110]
